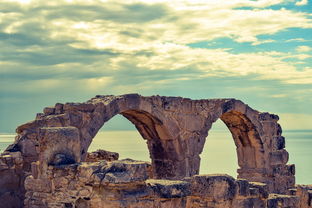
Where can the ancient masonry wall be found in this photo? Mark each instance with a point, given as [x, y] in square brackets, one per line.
[46, 149]
[127, 184]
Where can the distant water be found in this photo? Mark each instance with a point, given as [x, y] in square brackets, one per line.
[5, 141]
[219, 154]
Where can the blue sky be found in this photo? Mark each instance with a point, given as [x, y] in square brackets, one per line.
[67, 51]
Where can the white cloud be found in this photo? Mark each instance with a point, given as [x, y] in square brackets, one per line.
[302, 2]
[184, 22]
[297, 40]
[139, 40]
[95, 83]
[259, 42]
[220, 62]
[279, 95]
[303, 49]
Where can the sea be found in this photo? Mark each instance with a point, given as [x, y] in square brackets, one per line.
[218, 156]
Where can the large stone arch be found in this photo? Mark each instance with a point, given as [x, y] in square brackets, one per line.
[146, 114]
[175, 129]
[151, 123]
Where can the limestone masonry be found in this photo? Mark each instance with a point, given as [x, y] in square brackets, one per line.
[48, 165]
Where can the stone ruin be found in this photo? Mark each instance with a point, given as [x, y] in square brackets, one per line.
[48, 165]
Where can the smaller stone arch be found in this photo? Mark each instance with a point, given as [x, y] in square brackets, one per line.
[259, 144]
[249, 146]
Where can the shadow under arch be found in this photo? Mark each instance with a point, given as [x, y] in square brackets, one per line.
[249, 146]
[158, 138]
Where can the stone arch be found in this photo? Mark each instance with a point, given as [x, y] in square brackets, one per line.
[259, 144]
[249, 146]
[147, 117]
[242, 122]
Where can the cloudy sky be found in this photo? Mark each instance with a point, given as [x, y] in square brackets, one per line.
[66, 51]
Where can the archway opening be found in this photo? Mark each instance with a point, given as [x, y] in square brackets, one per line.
[249, 147]
[219, 153]
[163, 148]
[120, 135]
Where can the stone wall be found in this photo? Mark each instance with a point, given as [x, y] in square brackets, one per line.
[127, 183]
[175, 129]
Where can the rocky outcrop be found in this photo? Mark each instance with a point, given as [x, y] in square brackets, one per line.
[175, 129]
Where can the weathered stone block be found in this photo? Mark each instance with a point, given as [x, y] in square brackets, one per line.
[83, 107]
[291, 169]
[28, 147]
[219, 187]
[248, 203]
[304, 193]
[39, 116]
[268, 117]
[31, 126]
[102, 155]
[86, 170]
[169, 188]
[228, 106]
[59, 108]
[38, 185]
[278, 143]
[242, 187]
[48, 110]
[60, 183]
[125, 171]
[270, 128]
[279, 157]
[261, 187]
[282, 201]
[284, 170]
[55, 120]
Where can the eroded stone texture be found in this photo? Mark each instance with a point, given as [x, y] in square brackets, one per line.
[304, 193]
[126, 184]
[175, 129]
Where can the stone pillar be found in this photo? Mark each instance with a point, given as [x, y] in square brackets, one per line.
[280, 175]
